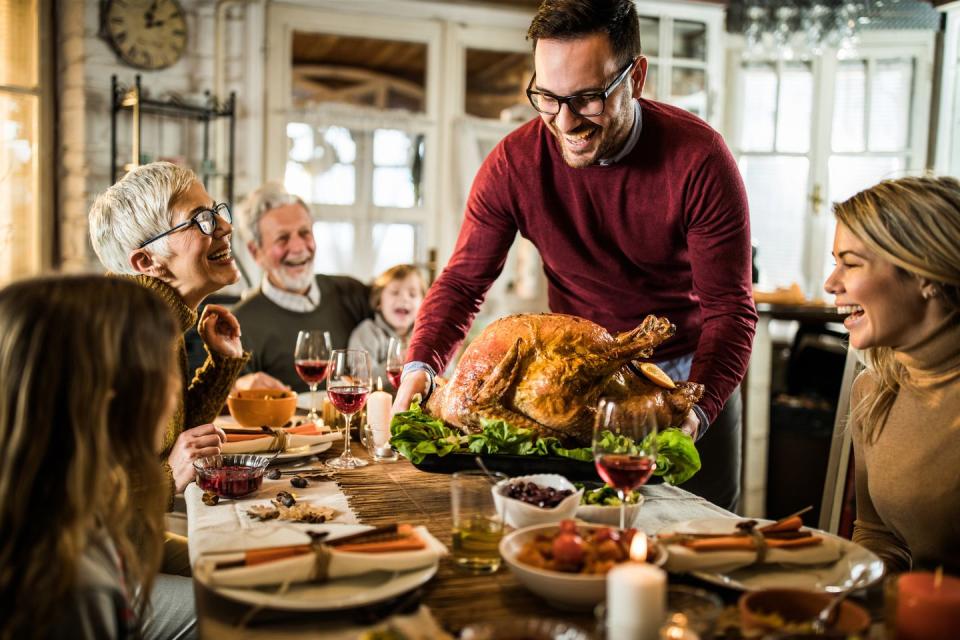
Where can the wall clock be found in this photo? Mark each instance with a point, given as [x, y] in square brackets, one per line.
[147, 34]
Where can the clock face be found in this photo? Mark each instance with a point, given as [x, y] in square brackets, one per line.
[149, 34]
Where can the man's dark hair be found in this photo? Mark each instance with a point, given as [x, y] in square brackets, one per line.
[570, 19]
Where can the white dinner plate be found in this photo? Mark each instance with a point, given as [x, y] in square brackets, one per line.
[303, 452]
[342, 593]
[829, 578]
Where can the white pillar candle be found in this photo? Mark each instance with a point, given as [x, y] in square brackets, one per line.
[636, 600]
[379, 404]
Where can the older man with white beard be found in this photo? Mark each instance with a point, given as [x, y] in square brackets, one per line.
[279, 232]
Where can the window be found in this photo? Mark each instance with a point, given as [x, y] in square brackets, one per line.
[948, 126]
[24, 105]
[870, 140]
[810, 133]
[353, 101]
[775, 162]
[358, 181]
[683, 58]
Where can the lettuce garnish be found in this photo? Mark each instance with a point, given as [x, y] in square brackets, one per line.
[416, 435]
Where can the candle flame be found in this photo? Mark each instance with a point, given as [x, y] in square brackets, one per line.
[938, 577]
[379, 383]
[638, 548]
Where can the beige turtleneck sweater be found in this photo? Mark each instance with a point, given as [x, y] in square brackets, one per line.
[908, 481]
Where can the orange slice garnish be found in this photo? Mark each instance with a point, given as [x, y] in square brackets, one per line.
[656, 375]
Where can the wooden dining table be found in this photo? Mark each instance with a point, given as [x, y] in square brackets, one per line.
[384, 493]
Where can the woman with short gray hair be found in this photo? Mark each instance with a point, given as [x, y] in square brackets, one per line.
[159, 227]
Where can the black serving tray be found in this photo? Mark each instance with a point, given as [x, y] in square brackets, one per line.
[513, 465]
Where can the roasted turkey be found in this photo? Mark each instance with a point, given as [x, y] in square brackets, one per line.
[547, 372]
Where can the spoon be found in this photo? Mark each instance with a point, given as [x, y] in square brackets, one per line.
[492, 478]
[826, 615]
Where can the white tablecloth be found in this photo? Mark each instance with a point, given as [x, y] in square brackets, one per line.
[226, 526]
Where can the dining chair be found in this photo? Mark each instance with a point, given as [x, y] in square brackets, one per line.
[835, 483]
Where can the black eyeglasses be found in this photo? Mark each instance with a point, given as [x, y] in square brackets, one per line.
[582, 104]
[205, 220]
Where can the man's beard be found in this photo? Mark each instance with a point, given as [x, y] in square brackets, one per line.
[612, 137]
[290, 282]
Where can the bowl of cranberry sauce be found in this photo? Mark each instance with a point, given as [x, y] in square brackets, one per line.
[231, 476]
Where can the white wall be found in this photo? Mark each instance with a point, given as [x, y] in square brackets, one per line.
[85, 65]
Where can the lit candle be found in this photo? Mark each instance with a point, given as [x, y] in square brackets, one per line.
[378, 415]
[928, 606]
[676, 629]
[638, 547]
[636, 599]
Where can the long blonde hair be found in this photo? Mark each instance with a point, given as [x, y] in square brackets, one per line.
[85, 370]
[915, 224]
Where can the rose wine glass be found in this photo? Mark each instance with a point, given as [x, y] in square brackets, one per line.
[396, 354]
[310, 359]
[348, 383]
[625, 445]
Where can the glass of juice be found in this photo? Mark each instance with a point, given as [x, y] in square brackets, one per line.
[477, 525]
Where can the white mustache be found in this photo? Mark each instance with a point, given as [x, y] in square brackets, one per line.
[304, 257]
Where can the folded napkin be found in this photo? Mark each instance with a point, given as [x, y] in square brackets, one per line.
[415, 548]
[304, 435]
[782, 542]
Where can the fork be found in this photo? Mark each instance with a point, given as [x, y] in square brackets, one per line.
[825, 617]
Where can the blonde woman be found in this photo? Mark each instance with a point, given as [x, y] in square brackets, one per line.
[897, 249]
[87, 386]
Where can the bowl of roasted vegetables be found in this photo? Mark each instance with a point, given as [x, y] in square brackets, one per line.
[567, 563]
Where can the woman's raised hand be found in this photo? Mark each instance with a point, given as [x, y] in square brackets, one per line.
[220, 331]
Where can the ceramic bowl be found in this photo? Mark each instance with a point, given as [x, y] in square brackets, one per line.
[560, 589]
[231, 476]
[609, 515]
[796, 609]
[519, 514]
[258, 407]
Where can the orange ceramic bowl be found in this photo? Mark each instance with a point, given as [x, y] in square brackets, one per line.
[257, 407]
[793, 611]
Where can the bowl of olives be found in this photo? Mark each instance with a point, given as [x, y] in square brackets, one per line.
[543, 498]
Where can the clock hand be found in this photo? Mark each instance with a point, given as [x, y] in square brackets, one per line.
[151, 11]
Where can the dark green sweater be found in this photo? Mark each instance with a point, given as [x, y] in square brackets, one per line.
[269, 331]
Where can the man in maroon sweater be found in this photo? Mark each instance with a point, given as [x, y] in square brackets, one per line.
[636, 207]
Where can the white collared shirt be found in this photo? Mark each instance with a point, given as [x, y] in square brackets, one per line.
[296, 302]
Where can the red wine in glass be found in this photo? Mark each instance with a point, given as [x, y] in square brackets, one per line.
[312, 371]
[393, 374]
[311, 357]
[348, 383]
[348, 400]
[625, 445]
[396, 354]
[624, 472]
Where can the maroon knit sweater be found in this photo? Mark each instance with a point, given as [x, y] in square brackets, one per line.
[663, 231]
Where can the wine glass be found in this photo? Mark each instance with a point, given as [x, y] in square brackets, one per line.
[348, 383]
[310, 359]
[625, 445]
[396, 354]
